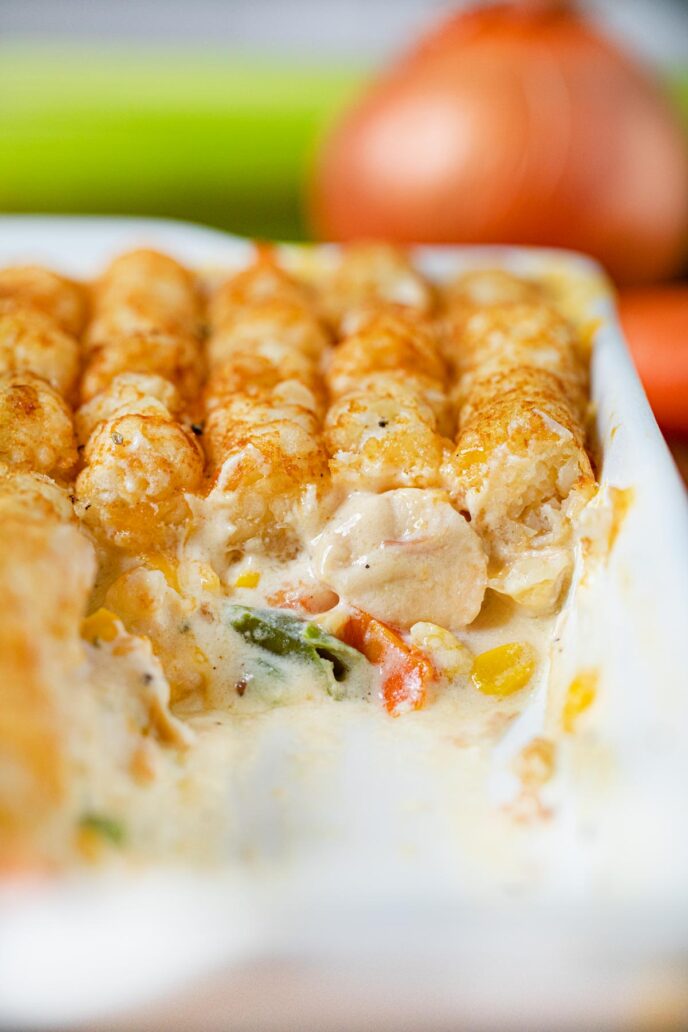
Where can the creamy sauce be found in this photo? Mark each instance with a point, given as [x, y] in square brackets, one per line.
[235, 750]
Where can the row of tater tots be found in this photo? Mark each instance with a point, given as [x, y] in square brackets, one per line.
[481, 393]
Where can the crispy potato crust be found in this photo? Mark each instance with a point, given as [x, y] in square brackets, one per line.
[31, 342]
[63, 300]
[138, 468]
[36, 432]
[368, 277]
[142, 292]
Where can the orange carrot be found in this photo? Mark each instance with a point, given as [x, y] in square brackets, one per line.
[407, 673]
[655, 322]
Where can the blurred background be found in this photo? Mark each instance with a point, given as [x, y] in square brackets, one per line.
[229, 112]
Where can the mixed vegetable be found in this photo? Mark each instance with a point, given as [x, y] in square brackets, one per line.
[342, 669]
[406, 673]
[344, 664]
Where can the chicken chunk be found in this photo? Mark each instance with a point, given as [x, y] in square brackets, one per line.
[404, 556]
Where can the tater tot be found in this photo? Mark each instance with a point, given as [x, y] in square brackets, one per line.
[263, 286]
[228, 425]
[33, 496]
[384, 428]
[36, 430]
[479, 291]
[487, 288]
[520, 469]
[126, 393]
[268, 324]
[393, 347]
[263, 471]
[138, 468]
[519, 335]
[58, 297]
[370, 276]
[383, 440]
[30, 342]
[174, 357]
[144, 291]
[291, 379]
[263, 399]
[390, 341]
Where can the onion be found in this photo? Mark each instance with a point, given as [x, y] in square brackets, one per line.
[516, 123]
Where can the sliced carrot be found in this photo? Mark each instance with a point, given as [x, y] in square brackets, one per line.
[406, 672]
[655, 323]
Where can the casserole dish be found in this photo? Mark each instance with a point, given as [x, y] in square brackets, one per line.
[424, 907]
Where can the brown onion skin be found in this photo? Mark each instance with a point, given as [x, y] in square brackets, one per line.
[514, 124]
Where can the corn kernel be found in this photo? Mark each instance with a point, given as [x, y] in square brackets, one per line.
[90, 845]
[580, 696]
[449, 656]
[195, 577]
[158, 561]
[102, 625]
[209, 579]
[248, 579]
[504, 670]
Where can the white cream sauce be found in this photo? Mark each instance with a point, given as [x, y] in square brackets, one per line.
[219, 749]
[262, 769]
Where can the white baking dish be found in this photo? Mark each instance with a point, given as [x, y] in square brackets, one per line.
[369, 902]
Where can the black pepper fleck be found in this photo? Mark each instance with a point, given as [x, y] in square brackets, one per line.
[383, 423]
[367, 566]
[117, 437]
[147, 678]
[197, 428]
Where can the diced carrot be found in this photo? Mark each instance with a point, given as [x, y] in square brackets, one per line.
[407, 673]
